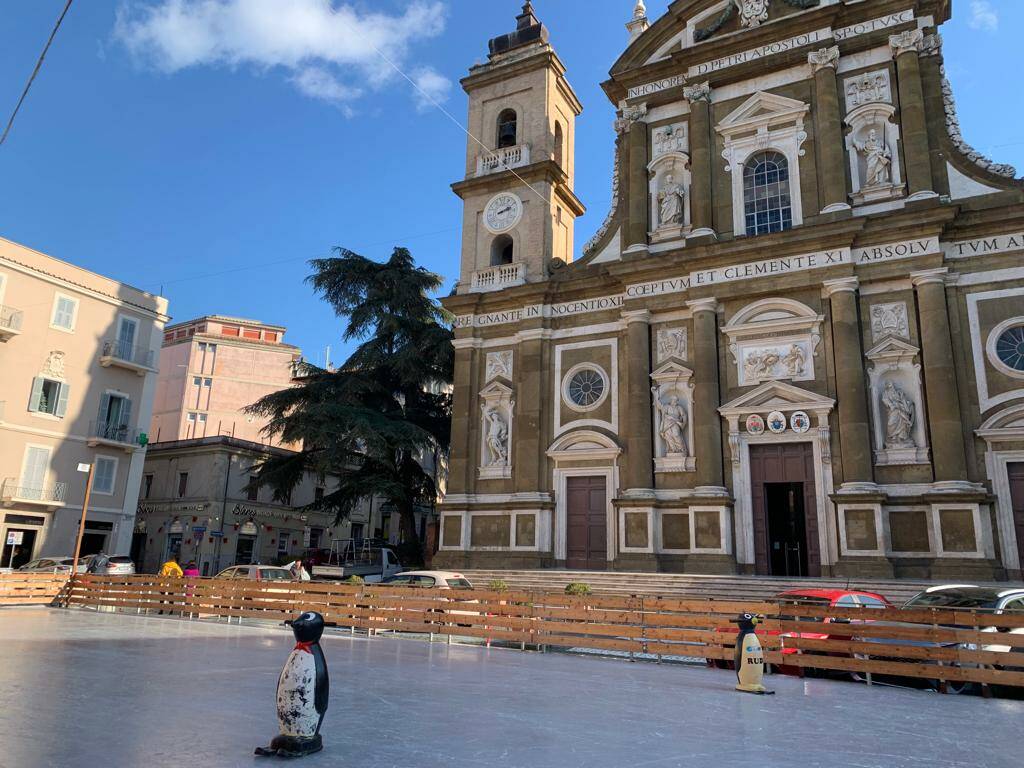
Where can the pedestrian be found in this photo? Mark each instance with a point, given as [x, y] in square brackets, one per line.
[191, 569]
[170, 570]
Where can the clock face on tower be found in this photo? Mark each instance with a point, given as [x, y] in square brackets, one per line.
[503, 212]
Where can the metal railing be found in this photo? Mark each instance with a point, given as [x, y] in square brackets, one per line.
[502, 159]
[501, 276]
[13, 489]
[119, 349]
[10, 318]
[114, 432]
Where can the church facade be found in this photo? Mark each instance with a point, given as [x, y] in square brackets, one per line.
[796, 344]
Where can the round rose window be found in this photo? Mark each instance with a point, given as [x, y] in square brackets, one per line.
[586, 387]
[1010, 347]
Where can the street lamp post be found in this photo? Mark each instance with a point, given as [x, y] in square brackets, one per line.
[85, 509]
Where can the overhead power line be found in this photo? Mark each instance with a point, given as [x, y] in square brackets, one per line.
[35, 71]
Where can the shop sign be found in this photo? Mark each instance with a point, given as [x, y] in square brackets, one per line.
[146, 509]
[253, 513]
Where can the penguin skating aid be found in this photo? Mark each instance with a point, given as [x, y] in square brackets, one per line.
[749, 656]
[302, 692]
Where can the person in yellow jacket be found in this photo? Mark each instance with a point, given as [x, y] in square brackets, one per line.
[172, 569]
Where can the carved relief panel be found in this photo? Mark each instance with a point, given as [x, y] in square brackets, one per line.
[499, 364]
[889, 320]
[671, 342]
[897, 404]
[774, 339]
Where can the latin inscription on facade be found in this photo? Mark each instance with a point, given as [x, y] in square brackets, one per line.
[756, 54]
[983, 246]
[780, 265]
[867, 27]
[657, 86]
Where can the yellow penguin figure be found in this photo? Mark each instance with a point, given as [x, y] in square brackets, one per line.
[749, 657]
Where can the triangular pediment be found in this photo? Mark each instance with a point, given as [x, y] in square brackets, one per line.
[671, 367]
[496, 389]
[760, 109]
[776, 396]
[891, 346]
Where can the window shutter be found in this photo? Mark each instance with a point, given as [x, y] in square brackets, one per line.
[62, 399]
[104, 409]
[126, 413]
[37, 393]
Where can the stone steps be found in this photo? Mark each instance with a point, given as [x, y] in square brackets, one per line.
[688, 585]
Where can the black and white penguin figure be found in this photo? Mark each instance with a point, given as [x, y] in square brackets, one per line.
[749, 657]
[302, 692]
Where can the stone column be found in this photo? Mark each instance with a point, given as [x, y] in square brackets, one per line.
[528, 435]
[913, 124]
[707, 423]
[636, 227]
[461, 469]
[947, 432]
[831, 158]
[639, 440]
[854, 422]
[701, 213]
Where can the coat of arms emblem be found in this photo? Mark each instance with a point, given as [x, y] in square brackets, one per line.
[753, 13]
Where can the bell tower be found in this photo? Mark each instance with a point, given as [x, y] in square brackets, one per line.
[519, 208]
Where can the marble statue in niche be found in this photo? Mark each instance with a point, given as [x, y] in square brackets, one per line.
[670, 203]
[673, 422]
[497, 438]
[499, 364]
[899, 423]
[889, 319]
[878, 160]
[671, 343]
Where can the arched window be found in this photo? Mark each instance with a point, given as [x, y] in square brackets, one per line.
[507, 130]
[502, 251]
[766, 203]
[559, 145]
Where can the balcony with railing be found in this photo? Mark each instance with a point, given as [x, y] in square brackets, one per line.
[114, 435]
[499, 277]
[12, 492]
[120, 354]
[502, 159]
[10, 322]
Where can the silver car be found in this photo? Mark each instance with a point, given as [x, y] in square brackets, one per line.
[52, 565]
[256, 573]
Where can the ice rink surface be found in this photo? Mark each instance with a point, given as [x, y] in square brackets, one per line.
[102, 690]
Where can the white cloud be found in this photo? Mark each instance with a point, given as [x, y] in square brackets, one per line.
[431, 86]
[983, 16]
[328, 49]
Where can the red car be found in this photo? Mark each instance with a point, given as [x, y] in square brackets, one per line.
[830, 598]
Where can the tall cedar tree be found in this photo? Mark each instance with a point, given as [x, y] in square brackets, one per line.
[389, 403]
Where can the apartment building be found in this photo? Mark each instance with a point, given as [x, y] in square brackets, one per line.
[213, 367]
[78, 371]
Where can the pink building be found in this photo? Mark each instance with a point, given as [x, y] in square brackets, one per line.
[213, 367]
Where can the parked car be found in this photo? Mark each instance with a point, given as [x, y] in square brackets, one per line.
[435, 579]
[52, 565]
[824, 598]
[256, 573]
[110, 565]
[966, 597]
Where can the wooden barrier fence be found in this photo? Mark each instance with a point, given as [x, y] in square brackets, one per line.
[934, 644]
[30, 588]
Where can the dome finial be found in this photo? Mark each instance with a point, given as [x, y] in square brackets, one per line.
[640, 10]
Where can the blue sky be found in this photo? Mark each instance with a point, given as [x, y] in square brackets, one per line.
[210, 148]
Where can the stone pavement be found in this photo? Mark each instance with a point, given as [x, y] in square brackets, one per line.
[79, 688]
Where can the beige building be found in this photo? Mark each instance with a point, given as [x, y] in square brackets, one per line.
[213, 367]
[795, 346]
[78, 356]
[194, 504]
